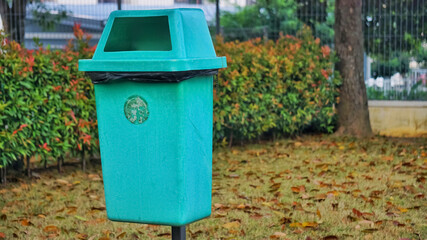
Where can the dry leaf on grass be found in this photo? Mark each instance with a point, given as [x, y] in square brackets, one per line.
[50, 229]
[81, 236]
[278, 235]
[25, 222]
[230, 225]
[62, 181]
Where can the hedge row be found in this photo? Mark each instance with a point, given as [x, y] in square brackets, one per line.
[47, 107]
[275, 88]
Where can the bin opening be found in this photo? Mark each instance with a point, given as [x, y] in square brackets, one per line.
[139, 34]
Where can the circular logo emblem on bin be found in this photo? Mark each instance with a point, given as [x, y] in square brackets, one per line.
[136, 109]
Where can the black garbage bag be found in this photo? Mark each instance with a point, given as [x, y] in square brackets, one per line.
[175, 77]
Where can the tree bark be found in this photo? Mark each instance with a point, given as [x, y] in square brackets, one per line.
[3, 175]
[59, 164]
[13, 19]
[83, 161]
[353, 114]
[28, 167]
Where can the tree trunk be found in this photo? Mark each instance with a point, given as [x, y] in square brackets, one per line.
[28, 167]
[353, 114]
[13, 19]
[230, 143]
[83, 161]
[18, 165]
[59, 164]
[3, 174]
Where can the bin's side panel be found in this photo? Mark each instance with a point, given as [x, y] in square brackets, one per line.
[141, 162]
[198, 152]
[197, 38]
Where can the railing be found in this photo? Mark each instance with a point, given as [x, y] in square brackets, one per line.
[394, 31]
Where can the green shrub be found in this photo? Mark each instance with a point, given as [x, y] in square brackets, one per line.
[47, 107]
[281, 88]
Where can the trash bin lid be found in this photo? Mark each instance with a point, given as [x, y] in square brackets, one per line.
[154, 41]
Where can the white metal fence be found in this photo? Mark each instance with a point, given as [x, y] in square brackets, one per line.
[394, 30]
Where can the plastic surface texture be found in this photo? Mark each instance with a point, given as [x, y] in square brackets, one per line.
[135, 41]
[154, 110]
[160, 171]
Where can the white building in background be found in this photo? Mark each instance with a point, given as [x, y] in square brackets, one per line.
[239, 3]
[413, 64]
[76, 2]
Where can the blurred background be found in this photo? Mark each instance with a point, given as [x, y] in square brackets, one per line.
[394, 30]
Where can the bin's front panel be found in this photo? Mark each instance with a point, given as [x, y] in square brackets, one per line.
[155, 170]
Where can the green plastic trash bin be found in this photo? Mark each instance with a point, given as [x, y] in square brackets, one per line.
[153, 73]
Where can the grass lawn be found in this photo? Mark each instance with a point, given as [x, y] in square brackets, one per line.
[313, 187]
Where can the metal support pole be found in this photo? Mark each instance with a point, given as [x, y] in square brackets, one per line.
[119, 4]
[178, 233]
[218, 19]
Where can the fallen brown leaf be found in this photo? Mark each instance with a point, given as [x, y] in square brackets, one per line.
[278, 235]
[81, 236]
[396, 223]
[332, 193]
[98, 208]
[256, 152]
[50, 229]
[298, 189]
[295, 224]
[275, 187]
[218, 205]
[318, 214]
[320, 197]
[285, 220]
[256, 216]
[230, 225]
[357, 212]
[310, 224]
[94, 177]
[387, 158]
[367, 222]
[402, 210]
[163, 234]
[330, 237]
[121, 235]
[25, 222]
[62, 181]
